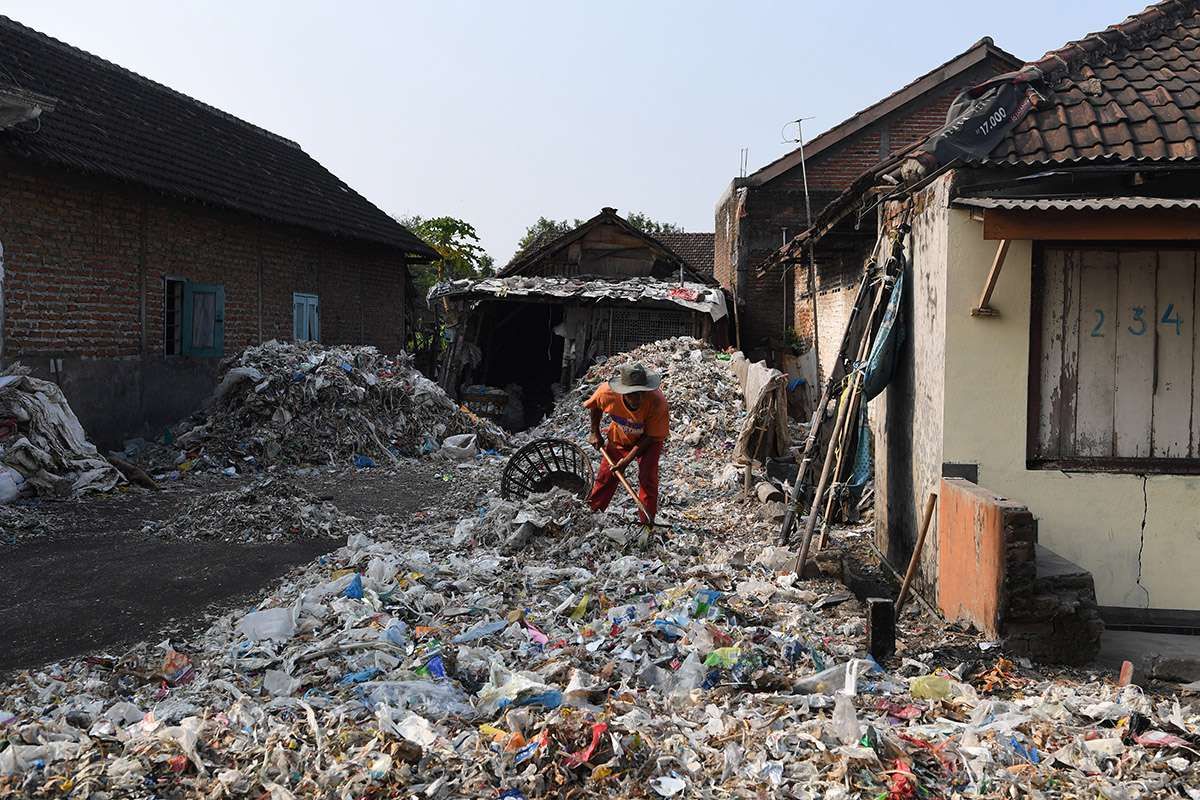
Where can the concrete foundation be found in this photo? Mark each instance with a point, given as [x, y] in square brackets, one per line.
[1159, 656]
[119, 398]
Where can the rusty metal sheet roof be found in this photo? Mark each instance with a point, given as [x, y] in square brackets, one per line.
[1076, 203]
[694, 296]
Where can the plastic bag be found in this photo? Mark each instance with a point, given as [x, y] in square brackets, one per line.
[828, 681]
[278, 683]
[434, 699]
[479, 630]
[271, 623]
[724, 657]
[504, 687]
[11, 482]
[460, 447]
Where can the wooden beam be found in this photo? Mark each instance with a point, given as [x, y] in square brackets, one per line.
[1135, 224]
[983, 309]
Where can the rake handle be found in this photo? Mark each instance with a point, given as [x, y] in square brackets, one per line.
[624, 482]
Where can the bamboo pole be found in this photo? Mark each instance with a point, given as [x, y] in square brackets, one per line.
[818, 415]
[823, 482]
[926, 518]
[855, 396]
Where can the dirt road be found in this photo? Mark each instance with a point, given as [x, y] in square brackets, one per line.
[101, 584]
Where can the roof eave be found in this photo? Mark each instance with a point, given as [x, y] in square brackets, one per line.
[872, 114]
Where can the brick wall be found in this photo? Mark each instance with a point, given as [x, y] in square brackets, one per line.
[79, 251]
[775, 301]
[992, 573]
[85, 261]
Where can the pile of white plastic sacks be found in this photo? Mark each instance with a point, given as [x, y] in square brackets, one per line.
[43, 448]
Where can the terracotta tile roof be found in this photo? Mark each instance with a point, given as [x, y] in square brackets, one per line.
[1131, 91]
[107, 120]
[696, 250]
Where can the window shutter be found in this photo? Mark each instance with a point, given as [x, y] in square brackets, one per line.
[299, 318]
[203, 320]
[306, 320]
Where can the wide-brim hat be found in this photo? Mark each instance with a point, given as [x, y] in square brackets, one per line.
[634, 377]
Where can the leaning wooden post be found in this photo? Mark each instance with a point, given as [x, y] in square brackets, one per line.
[930, 502]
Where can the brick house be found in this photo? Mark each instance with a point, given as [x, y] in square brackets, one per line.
[145, 234]
[760, 212]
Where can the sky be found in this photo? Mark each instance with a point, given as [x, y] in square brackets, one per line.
[501, 112]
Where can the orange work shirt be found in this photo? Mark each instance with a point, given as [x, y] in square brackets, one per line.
[628, 424]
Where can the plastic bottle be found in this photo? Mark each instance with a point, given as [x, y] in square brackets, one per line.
[845, 719]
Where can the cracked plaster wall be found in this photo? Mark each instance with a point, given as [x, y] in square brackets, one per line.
[1138, 535]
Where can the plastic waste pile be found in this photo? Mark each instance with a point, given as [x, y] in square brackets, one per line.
[703, 393]
[443, 659]
[43, 448]
[267, 510]
[302, 403]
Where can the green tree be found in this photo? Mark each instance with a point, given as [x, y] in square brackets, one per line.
[546, 229]
[653, 227]
[458, 245]
[549, 228]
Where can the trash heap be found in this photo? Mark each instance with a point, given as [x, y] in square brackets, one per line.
[703, 394]
[43, 448]
[443, 659]
[302, 403]
[267, 510]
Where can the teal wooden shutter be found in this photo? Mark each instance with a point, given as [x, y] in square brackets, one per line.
[306, 317]
[203, 320]
[299, 318]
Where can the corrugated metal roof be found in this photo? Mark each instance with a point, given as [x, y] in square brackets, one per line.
[1077, 203]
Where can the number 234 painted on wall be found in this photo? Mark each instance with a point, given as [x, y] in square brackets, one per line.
[1138, 325]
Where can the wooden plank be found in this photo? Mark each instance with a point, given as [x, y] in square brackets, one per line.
[1172, 426]
[1051, 362]
[1135, 353]
[1194, 449]
[1095, 394]
[1101, 225]
[985, 297]
[1068, 379]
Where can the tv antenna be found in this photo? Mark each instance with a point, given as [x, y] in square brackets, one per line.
[799, 123]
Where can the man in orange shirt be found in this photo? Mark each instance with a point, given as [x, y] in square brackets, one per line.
[640, 420]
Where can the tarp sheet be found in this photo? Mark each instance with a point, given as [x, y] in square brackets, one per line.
[885, 352]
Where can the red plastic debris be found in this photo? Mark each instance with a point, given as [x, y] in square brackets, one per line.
[580, 758]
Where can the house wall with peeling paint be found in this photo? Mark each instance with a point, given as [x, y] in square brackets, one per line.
[1138, 535]
[907, 418]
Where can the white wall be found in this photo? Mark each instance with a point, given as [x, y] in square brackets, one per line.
[907, 418]
[1138, 535]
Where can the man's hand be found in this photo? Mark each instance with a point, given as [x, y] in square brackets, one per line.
[623, 463]
[596, 440]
